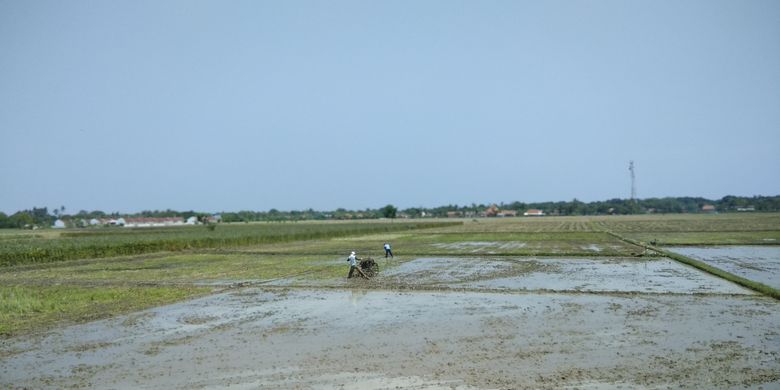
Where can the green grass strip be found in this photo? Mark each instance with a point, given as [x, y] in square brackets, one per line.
[27, 309]
[753, 285]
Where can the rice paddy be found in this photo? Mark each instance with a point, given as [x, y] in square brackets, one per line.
[565, 263]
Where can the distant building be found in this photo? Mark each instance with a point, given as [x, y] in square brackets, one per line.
[151, 221]
[454, 214]
[193, 220]
[59, 224]
[94, 222]
[491, 211]
[746, 208]
[507, 213]
[708, 208]
[533, 213]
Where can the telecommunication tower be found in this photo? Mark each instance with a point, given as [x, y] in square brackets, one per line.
[633, 180]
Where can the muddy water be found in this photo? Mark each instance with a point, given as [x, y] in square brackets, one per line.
[614, 275]
[572, 274]
[446, 270]
[381, 339]
[757, 263]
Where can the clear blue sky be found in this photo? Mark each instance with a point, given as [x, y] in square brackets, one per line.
[229, 105]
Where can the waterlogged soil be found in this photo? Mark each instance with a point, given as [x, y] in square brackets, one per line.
[361, 339]
[481, 246]
[609, 274]
[438, 270]
[757, 263]
[612, 275]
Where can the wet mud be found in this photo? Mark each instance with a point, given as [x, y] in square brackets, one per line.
[276, 338]
[594, 275]
[430, 323]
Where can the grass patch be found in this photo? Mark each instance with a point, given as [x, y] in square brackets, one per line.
[179, 269]
[25, 309]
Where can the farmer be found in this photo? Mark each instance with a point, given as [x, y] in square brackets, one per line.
[388, 251]
[353, 266]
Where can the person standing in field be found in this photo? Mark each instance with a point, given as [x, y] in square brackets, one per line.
[352, 259]
[388, 251]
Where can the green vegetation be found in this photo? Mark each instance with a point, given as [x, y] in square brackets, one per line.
[178, 269]
[26, 309]
[94, 243]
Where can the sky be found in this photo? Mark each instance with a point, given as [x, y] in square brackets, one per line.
[252, 105]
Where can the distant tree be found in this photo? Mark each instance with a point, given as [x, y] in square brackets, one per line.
[389, 211]
[21, 219]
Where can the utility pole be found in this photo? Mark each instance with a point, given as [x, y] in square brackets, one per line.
[633, 180]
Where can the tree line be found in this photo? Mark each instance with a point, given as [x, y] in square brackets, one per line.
[42, 217]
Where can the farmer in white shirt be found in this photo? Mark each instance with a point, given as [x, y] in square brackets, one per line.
[353, 266]
[388, 251]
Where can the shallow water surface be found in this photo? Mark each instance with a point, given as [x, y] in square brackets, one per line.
[446, 270]
[757, 263]
[614, 275]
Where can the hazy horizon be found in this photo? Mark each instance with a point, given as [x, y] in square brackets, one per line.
[213, 106]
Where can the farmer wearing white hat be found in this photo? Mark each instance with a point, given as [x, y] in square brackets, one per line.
[353, 266]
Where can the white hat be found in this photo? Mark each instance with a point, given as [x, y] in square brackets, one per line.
[353, 252]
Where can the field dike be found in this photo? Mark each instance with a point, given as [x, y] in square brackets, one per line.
[753, 285]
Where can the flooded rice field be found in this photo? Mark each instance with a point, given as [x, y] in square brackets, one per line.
[359, 339]
[431, 323]
[609, 274]
[758, 263]
[614, 275]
